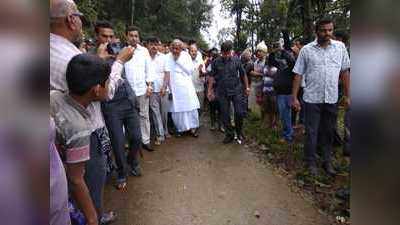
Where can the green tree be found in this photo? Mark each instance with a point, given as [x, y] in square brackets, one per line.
[272, 19]
[166, 19]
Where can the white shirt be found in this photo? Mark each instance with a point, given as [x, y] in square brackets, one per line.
[138, 70]
[61, 52]
[198, 81]
[184, 97]
[158, 63]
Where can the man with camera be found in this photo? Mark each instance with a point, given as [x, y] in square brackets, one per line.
[121, 112]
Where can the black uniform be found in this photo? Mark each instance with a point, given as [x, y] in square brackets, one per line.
[227, 73]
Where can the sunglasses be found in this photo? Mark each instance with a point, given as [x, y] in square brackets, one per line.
[82, 17]
[79, 14]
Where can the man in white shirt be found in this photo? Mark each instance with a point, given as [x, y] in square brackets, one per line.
[140, 76]
[198, 77]
[184, 99]
[159, 105]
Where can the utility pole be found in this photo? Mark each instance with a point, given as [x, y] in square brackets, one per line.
[132, 10]
[238, 12]
[253, 10]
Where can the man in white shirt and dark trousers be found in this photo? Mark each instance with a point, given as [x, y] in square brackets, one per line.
[159, 105]
[120, 113]
[140, 76]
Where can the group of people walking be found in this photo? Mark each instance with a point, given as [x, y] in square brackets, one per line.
[112, 100]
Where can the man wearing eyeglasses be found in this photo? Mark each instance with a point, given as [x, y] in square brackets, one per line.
[65, 30]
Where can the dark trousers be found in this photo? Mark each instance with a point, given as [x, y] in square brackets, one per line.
[319, 117]
[240, 110]
[118, 115]
[214, 112]
[95, 172]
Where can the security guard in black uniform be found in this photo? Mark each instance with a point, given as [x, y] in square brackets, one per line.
[229, 76]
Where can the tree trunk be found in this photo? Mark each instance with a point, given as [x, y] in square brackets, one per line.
[307, 21]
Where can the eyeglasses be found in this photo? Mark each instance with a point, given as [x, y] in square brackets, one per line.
[82, 17]
[79, 14]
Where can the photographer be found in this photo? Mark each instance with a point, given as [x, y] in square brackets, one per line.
[120, 112]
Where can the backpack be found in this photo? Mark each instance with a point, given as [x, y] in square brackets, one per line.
[283, 80]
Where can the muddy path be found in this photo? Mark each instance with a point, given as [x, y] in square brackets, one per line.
[189, 181]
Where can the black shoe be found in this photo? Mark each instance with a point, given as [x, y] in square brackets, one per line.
[221, 129]
[312, 170]
[136, 171]
[240, 139]
[147, 147]
[346, 152]
[343, 193]
[227, 139]
[329, 169]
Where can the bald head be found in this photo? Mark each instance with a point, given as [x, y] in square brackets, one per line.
[193, 51]
[177, 42]
[176, 48]
[65, 20]
[61, 8]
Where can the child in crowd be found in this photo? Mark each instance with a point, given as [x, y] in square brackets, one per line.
[86, 77]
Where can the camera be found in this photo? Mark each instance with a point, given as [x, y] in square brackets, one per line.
[114, 48]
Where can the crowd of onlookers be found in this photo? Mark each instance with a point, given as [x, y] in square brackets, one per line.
[111, 97]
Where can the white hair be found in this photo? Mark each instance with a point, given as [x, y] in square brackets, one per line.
[61, 8]
[177, 42]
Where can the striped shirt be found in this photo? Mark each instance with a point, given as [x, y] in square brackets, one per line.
[61, 52]
[72, 127]
[320, 69]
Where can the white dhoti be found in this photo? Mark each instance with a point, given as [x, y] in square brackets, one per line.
[186, 120]
[185, 103]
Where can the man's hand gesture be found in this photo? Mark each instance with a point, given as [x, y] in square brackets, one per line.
[125, 54]
[102, 51]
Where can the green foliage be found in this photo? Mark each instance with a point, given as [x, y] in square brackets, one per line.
[164, 19]
[267, 19]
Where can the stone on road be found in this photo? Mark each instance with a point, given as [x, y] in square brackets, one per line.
[190, 181]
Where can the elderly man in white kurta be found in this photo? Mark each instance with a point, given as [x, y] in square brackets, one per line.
[185, 104]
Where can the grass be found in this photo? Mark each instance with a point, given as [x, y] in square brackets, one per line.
[289, 158]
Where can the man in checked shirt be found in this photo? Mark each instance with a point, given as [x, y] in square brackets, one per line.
[321, 64]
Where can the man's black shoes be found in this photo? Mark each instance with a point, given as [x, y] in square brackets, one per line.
[329, 169]
[147, 147]
[228, 139]
[312, 170]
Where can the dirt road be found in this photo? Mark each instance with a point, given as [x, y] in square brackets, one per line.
[190, 181]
